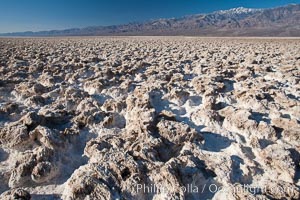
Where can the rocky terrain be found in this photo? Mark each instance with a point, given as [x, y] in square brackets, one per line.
[110, 118]
[280, 21]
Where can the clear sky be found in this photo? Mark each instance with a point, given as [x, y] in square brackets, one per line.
[35, 15]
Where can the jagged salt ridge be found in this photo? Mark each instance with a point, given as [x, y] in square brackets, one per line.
[93, 118]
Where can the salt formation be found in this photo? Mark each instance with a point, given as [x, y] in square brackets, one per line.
[149, 118]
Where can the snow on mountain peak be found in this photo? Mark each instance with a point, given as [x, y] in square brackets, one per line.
[239, 10]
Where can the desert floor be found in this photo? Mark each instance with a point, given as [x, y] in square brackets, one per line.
[149, 118]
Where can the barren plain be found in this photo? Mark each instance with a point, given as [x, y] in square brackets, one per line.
[149, 118]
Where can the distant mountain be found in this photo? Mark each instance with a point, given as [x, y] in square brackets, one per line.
[280, 21]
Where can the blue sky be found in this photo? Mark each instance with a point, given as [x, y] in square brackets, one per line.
[35, 15]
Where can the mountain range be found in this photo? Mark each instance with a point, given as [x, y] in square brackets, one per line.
[280, 21]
